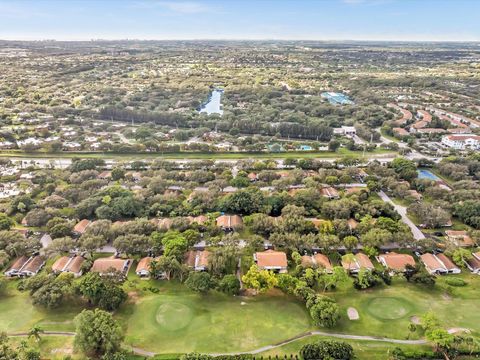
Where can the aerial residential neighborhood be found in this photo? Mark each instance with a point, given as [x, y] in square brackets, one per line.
[239, 180]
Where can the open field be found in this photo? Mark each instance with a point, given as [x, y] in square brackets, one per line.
[178, 319]
[200, 156]
[213, 323]
[364, 350]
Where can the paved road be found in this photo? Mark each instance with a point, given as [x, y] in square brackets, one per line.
[402, 210]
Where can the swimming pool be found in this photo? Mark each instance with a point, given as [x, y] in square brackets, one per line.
[425, 174]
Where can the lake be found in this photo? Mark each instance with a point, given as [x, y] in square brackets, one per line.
[214, 103]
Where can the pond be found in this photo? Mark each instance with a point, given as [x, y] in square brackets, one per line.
[213, 104]
[425, 174]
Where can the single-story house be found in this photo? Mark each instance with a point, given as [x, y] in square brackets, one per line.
[69, 264]
[105, 266]
[229, 222]
[415, 194]
[16, 267]
[397, 262]
[106, 175]
[459, 238]
[271, 260]
[474, 263]
[451, 267]
[317, 260]
[81, 226]
[352, 224]
[197, 260]
[143, 267]
[358, 262]
[436, 264]
[329, 192]
[252, 176]
[33, 266]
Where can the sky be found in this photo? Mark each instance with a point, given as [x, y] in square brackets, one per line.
[411, 20]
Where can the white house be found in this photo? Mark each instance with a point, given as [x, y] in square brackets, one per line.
[345, 130]
[462, 141]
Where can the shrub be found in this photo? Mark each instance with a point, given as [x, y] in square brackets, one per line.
[454, 281]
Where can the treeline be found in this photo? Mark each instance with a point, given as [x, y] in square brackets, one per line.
[118, 114]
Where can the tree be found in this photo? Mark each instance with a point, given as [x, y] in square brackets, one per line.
[132, 244]
[61, 245]
[460, 256]
[174, 244]
[97, 333]
[326, 350]
[259, 280]
[229, 285]
[324, 312]
[5, 222]
[245, 201]
[35, 332]
[199, 281]
[118, 173]
[101, 291]
[333, 145]
[406, 169]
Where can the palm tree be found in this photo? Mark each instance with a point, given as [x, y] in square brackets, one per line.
[35, 332]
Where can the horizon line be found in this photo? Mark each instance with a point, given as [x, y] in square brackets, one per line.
[237, 39]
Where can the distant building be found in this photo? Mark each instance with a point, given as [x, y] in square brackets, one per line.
[345, 130]
[337, 98]
[462, 141]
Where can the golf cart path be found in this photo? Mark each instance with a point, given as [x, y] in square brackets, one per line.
[142, 352]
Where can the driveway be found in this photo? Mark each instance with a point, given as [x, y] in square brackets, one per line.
[402, 210]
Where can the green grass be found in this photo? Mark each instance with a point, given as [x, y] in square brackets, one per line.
[178, 320]
[197, 155]
[364, 350]
[17, 314]
[387, 311]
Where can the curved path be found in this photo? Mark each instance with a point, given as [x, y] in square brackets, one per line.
[142, 352]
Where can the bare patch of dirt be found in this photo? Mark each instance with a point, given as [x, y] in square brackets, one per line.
[415, 320]
[353, 313]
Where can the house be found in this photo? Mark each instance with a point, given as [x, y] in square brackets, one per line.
[400, 131]
[271, 260]
[197, 260]
[459, 238]
[438, 264]
[252, 177]
[143, 267]
[105, 175]
[352, 224]
[358, 262]
[345, 130]
[415, 194]
[474, 263]
[81, 226]
[462, 141]
[72, 264]
[229, 222]
[396, 262]
[329, 192]
[17, 266]
[107, 266]
[318, 261]
[33, 266]
[451, 267]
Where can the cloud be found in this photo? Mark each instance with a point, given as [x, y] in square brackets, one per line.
[186, 7]
[181, 7]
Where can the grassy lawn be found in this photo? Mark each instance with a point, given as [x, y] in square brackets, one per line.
[178, 320]
[364, 350]
[387, 311]
[197, 155]
[17, 314]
